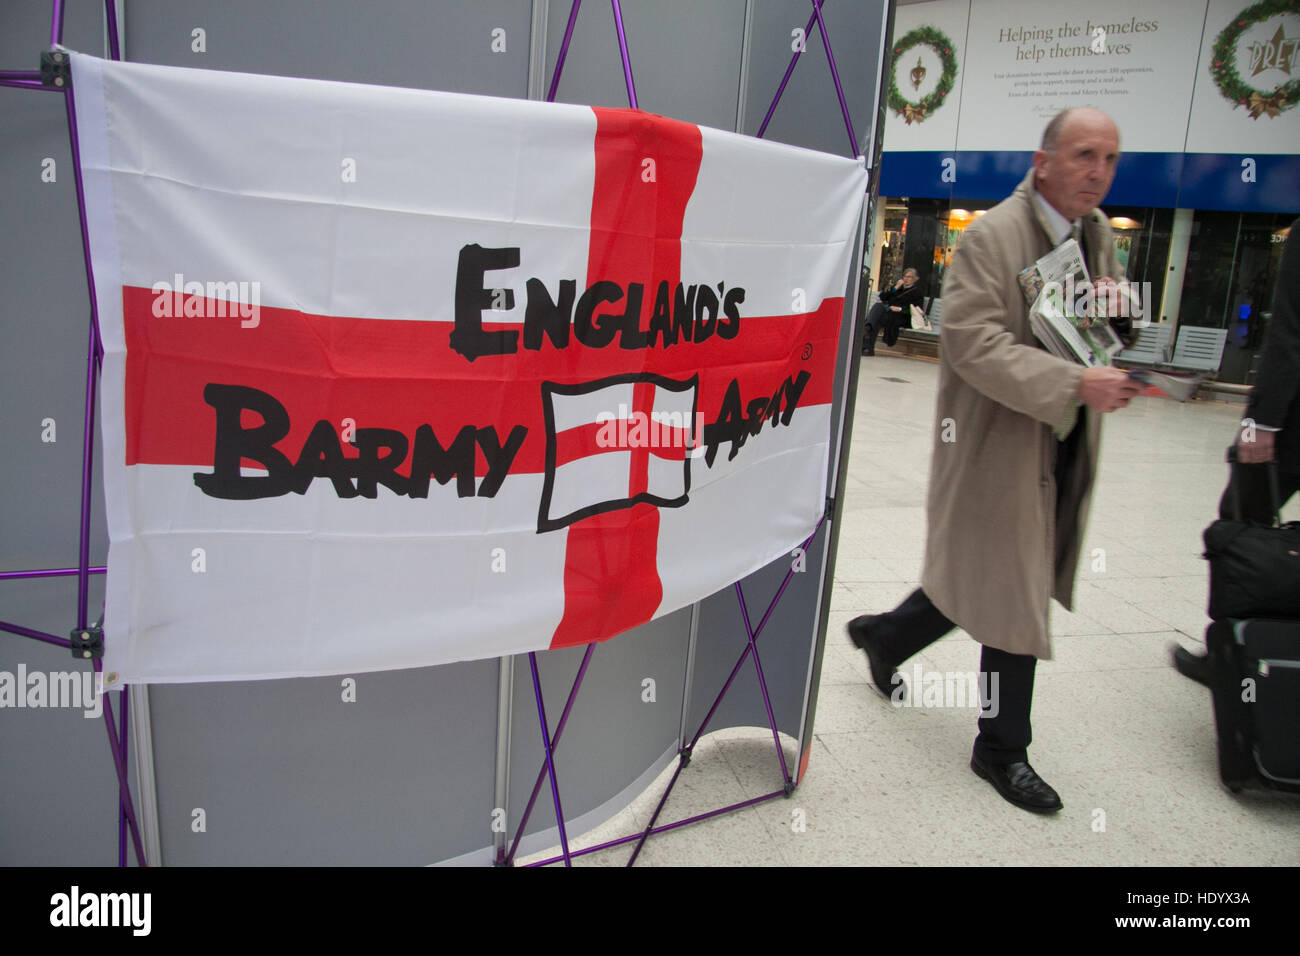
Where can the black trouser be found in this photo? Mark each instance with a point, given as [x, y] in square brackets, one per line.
[1004, 736]
[874, 318]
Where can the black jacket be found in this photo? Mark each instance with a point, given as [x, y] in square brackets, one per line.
[904, 298]
[1275, 399]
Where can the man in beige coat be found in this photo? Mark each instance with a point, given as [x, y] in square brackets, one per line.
[1015, 452]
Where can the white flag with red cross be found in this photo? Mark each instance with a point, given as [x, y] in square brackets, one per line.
[395, 378]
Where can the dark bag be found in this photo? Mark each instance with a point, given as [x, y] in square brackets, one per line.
[1254, 568]
[1254, 675]
[891, 325]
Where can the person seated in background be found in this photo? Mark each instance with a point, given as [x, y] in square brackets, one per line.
[894, 307]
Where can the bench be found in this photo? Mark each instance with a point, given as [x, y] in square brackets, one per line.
[1199, 349]
[1151, 347]
[923, 342]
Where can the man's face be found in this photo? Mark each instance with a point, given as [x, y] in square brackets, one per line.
[1077, 174]
[909, 278]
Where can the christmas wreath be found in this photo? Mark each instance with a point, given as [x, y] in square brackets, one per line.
[915, 112]
[1223, 63]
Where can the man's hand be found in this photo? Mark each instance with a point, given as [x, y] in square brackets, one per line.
[1105, 389]
[1111, 301]
[1105, 298]
[1255, 446]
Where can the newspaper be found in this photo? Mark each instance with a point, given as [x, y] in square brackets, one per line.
[1178, 387]
[1060, 299]
[1066, 319]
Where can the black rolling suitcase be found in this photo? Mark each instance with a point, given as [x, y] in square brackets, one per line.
[1254, 670]
[1254, 644]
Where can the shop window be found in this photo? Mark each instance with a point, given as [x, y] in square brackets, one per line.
[1232, 263]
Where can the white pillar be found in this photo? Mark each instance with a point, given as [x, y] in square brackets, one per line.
[1180, 235]
[877, 242]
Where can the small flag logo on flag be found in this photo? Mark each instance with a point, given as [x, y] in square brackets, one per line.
[615, 442]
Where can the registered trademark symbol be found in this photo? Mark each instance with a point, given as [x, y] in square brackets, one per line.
[807, 351]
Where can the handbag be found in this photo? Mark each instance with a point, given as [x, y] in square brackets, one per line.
[1254, 568]
[919, 319]
[890, 325]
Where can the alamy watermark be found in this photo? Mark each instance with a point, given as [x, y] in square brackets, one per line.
[213, 300]
[127, 910]
[949, 689]
[636, 429]
[1086, 299]
[82, 690]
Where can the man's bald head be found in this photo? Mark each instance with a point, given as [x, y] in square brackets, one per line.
[1075, 163]
[1052, 132]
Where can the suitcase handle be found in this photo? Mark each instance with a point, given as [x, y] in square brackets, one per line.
[1274, 495]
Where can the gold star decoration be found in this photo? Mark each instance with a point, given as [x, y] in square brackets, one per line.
[1278, 54]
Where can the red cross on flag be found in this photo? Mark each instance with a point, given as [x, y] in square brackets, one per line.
[394, 378]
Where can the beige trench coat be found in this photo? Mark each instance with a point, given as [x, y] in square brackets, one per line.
[996, 550]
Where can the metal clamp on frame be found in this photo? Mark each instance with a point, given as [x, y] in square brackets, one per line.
[55, 68]
[88, 642]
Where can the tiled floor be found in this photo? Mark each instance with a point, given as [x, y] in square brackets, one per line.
[1127, 742]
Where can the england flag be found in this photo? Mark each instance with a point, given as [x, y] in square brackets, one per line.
[394, 378]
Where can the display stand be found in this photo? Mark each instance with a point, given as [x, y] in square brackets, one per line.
[85, 641]
[550, 741]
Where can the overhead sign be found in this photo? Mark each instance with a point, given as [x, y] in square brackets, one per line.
[1203, 94]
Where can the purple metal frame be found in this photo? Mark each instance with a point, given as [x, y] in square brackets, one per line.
[507, 858]
[49, 573]
[550, 742]
[835, 75]
[25, 80]
[564, 50]
[684, 756]
[550, 757]
[117, 729]
[622, 50]
[56, 24]
[35, 635]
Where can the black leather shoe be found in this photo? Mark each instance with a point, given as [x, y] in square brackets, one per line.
[1018, 784]
[883, 673]
[1195, 666]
